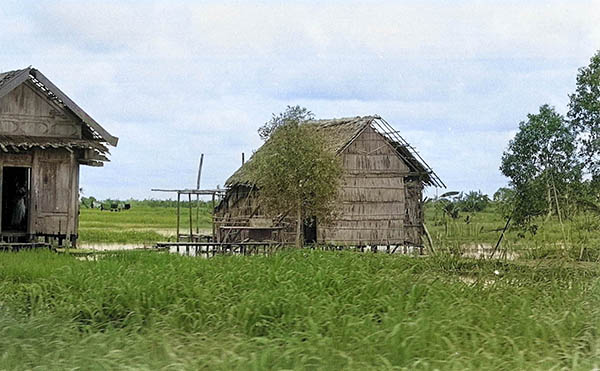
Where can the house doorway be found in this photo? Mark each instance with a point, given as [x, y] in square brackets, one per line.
[16, 183]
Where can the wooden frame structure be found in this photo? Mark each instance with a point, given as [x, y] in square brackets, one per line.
[191, 237]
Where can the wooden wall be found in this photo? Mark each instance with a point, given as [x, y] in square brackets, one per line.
[25, 111]
[54, 189]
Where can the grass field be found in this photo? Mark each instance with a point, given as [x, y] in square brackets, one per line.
[145, 224]
[139, 225]
[305, 309]
[579, 239]
[295, 310]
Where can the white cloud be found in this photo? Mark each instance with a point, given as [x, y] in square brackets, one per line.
[174, 79]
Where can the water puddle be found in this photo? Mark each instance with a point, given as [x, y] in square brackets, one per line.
[486, 251]
[112, 246]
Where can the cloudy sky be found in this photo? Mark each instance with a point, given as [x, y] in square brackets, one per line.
[174, 79]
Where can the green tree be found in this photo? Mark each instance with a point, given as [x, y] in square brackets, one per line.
[473, 201]
[584, 114]
[541, 163]
[292, 115]
[296, 172]
[504, 199]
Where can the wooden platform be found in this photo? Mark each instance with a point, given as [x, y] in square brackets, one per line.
[210, 249]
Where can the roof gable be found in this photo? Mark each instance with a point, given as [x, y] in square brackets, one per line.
[12, 79]
[341, 133]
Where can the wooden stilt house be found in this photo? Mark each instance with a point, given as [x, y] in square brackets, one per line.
[44, 137]
[379, 203]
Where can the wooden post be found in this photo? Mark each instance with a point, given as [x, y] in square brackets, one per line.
[501, 236]
[213, 218]
[299, 237]
[191, 222]
[198, 196]
[429, 239]
[243, 158]
[178, 199]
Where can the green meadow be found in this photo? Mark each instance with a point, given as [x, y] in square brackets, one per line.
[142, 224]
[576, 238]
[306, 309]
[303, 310]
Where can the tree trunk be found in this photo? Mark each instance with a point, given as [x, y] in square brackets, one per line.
[299, 229]
[562, 226]
[549, 201]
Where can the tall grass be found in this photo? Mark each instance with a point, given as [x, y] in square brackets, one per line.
[295, 310]
[580, 240]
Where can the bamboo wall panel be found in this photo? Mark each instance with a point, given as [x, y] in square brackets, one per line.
[378, 181]
[414, 217]
[371, 210]
[370, 195]
[371, 152]
[371, 200]
[378, 224]
[366, 163]
[363, 236]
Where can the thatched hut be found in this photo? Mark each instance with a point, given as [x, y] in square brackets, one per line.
[44, 137]
[379, 203]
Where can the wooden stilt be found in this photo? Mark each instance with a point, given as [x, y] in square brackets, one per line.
[213, 218]
[198, 196]
[178, 211]
[191, 222]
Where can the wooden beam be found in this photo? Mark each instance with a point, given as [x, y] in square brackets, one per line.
[191, 191]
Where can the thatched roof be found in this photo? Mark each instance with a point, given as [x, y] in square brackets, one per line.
[340, 133]
[12, 79]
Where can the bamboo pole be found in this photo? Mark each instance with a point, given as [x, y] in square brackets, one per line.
[558, 211]
[213, 218]
[429, 239]
[501, 236]
[178, 210]
[198, 196]
[191, 222]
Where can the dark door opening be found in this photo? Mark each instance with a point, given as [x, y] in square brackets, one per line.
[310, 230]
[15, 199]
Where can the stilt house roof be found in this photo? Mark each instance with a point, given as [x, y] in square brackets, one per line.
[340, 133]
[95, 137]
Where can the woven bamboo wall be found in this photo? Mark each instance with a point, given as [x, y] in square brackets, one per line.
[372, 205]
